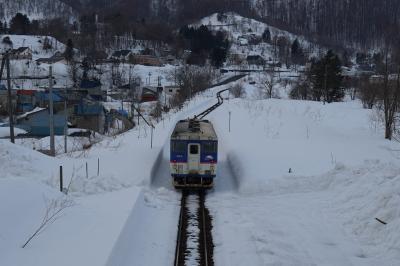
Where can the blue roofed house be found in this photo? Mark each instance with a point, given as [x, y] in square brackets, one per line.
[37, 122]
[92, 88]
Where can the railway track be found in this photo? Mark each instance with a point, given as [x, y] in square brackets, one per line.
[194, 245]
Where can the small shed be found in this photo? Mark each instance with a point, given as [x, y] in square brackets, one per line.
[21, 53]
[89, 116]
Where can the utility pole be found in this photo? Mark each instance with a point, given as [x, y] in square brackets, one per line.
[325, 83]
[66, 120]
[229, 121]
[10, 106]
[52, 146]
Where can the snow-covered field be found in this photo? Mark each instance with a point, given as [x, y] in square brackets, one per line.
[299, 183]
[343, 175]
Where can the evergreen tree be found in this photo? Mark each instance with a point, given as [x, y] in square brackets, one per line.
[297, 52]
[69, 51]
[266, 36]
[327, 78]
[20, 24]
[47, 44]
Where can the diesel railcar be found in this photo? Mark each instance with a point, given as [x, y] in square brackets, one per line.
[193, 154]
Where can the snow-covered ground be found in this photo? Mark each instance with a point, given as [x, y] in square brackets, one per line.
[298, 183]
[343, 175]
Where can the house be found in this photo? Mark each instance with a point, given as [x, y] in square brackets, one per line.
[236, 58]
[122, 55]
[146, 60]
[89, 116]
[21, 53]
[98, 55]
[169, 59]
[149, 95]
[26, 100]
[242, 41]
[36, 122]
[171, 90]
[92, 89]
[57, 57]
[255, 60]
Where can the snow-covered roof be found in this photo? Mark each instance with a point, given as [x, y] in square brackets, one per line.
[34, 111]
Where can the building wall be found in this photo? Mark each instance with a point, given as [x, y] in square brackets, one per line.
[92, 122]
[38, 124]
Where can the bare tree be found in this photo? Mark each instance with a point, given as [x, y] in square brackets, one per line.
[237, 90]
[54, 209]
[191, 80]
[390, 100]
[269, 82]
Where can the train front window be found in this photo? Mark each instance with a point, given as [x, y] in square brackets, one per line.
[194, 149]
[178, 146]
[209, 147]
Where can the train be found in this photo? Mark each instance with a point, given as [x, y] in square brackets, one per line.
[193, 154]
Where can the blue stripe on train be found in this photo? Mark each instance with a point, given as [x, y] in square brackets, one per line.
[204, 158]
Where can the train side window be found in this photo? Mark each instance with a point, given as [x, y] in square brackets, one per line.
[209, 147]
[178, 146]
[194, 149]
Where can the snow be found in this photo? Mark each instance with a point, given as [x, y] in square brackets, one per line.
[239, 28]
[35, 110]
[343, 175]
[5, 131]
[35, 43]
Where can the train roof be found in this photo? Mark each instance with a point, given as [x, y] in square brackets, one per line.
[194, 129]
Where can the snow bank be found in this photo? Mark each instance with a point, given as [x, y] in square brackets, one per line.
[5, 132]
[285, 139]
[20, 162]
[307, 173]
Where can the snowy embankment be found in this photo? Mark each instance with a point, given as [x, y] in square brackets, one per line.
[312, 178]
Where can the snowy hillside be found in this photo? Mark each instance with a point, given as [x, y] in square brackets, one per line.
[240, 30]
[35, 9]
[35, 43]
